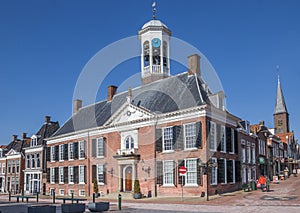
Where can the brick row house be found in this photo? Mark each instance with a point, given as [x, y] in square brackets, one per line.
[2, 168]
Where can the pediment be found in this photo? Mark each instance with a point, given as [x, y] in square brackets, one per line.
[128, 113]
[12, 152]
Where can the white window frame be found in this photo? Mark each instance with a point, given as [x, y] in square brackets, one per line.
[52, 153]
[167, 166]
[81, 150]
[61, 175]
[61, 152]
[248, 153]
[214, 172]
[80, 193]
[81, 174]
[38, 160]
[253, 154]
[33, 141]
[213, 137]
[190, 136]
[71, 174]
[52, 175]
[169, 138]
[70, 192]
[61, 192]
[243, 153]
[71, 155]
[100, 171]
[225, 168]
[3, 168]
[100, 147]
[223, 139]
[232, 142]
[189, 171]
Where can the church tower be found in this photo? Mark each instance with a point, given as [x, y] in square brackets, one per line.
[155, 62]
[281, 115]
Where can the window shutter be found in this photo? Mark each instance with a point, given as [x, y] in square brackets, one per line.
[76, 175]
[158, 140]
[199, 172]
[218, 134]
[56, 174]
[84, 148]
[174, 174]
[236, 148]
[76, 150]
[94, 172]
[66, 152]
[228, 139]
[177, 138]
[180, 178]
[48, 154]
[85, 174]
[48, 174]
[104, 147]
[208, 134]
[159, 177]
[56, 153]
[221, 171]
[94, 147]
[104, 174]
[238, 171]
[66, 174]
[199, 134]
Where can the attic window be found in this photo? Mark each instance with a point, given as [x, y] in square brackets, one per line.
[33, 141]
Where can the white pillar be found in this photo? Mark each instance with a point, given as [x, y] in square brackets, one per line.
[120, 178]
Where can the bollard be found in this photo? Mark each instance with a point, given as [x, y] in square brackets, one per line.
[9, 196]
[94, 195]
[37, 197]
[53, 194]
[22, 196]
[72, 194]
[119, 201]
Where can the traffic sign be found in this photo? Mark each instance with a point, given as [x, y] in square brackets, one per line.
[182, 170]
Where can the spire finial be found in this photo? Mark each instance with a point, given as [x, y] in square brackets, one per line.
[277, 68]
[154, 10]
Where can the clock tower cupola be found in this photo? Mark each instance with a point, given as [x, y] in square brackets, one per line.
[155, 62]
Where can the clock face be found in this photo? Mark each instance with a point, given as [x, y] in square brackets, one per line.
[156, 42]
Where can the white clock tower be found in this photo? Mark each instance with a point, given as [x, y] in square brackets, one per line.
[155, 61]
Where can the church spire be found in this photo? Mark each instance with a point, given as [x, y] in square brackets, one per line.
[280, 106]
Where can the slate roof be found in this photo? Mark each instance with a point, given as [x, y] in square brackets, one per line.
[162, 96]
[46, 131]
[18, 145]
[280, 106]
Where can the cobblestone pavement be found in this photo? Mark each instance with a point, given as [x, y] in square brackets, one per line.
[283, 197]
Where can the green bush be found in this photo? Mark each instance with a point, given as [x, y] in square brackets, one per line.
[96, 190]
[137, 189]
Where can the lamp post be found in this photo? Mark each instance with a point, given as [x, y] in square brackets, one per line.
[207, 166]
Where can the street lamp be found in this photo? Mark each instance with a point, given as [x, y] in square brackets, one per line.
[207, 166]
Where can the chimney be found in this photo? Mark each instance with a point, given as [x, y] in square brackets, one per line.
[112, 90]
[14, 137]
[24, 135]
[77, 105]
[262, 123]
[47, 119]
[194, 64]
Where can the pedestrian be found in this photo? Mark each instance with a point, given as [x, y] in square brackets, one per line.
[262, 181]
[267, 183]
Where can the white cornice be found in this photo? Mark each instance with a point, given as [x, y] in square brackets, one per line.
[33, 149]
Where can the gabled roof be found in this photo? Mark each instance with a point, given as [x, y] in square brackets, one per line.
[280, 106]
[167, 95]
[46, 131]
[18, 145]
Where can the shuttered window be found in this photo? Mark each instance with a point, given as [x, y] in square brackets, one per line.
[61, 175]
[52, 175]
[81, 174]
[101, 174]
[191, 173]
[168, 139]
[100, 147]
[168, 173]
[212, 137]
[71, 151]
[214, 173]
[190, 135]
[81, 150]
[71, 174]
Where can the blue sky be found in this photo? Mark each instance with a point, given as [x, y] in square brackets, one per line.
[44, 46]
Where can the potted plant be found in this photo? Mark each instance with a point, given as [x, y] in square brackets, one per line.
[96, 190]
[137, 190]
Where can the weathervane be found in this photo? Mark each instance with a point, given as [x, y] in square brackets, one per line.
[154, 10]
[277, 67]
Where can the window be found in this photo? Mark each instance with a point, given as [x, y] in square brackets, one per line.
[13, 168]
[261, 147]
[52, 175]
[191, 173]
[190, 135]
[61, 152]
[230, 164]
[71, 191]
[52, 153]
[32, 161]
[146, 53]
[38, 160]
[17, 183]
[17, 166]
[222, 171]
[253, 154]
[249, 174]
[1, 153]
[8, 166]
[61, 175]
[100, 174]
[168, 173]
[214, 172]
[51, 191]
[71, 174]
[100, 147]
[243, 155]
[33, 141]
[81, 149]
[212, 137]
[3, 168]
[81, 193]
[71, 151]
[129, 142]
[81, 173]
[232, 141]
[61, 192]
[223, 139]
[28, 161]
[168, 139]
[248, 154]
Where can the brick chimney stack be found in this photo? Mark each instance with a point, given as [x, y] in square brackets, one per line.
[47, 119]
[14, 137]
[77, 105]
[111, 91]
[194, 64]
[24, 135]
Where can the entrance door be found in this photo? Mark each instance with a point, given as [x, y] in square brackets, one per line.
[128, 179]
[35, 186]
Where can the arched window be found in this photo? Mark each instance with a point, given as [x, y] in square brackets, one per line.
[129, 142]
[146, 53]
[165, 54]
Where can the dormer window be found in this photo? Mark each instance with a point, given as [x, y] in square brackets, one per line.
[33, 141]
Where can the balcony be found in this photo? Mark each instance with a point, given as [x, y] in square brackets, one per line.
[127, 153]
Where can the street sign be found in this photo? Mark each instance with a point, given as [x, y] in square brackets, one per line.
[182, 170]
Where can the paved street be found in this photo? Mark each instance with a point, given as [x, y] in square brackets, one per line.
[283, 197]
